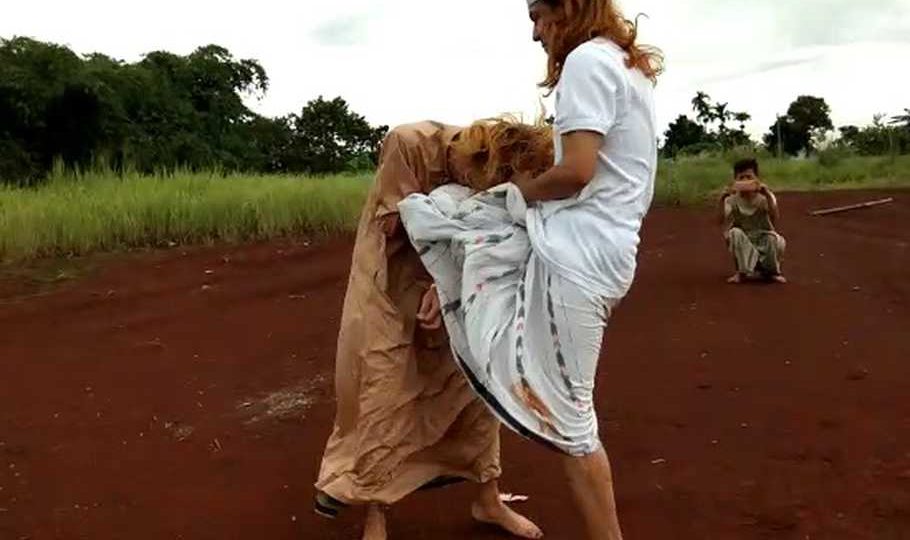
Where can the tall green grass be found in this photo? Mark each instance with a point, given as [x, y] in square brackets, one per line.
[102, 211]
[77, 214]
[685, 181]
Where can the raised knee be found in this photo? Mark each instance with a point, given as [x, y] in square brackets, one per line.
[736, 236]
[781, 244]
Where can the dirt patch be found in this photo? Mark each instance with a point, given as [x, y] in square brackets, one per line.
[290, 403]
[42, 277]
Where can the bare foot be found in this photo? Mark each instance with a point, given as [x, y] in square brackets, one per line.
[735, 278]
[502, 516]
[779, 279]
[375, 526]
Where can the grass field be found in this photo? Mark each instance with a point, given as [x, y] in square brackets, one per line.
[693, 180]
[100, 211]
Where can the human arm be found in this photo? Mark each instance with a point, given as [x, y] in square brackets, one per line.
[591, 96]
[773, 209]
[724, 214]
[569, 176]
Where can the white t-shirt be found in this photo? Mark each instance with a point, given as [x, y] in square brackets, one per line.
[592, 239]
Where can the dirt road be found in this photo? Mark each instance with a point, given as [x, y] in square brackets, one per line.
[187, 394]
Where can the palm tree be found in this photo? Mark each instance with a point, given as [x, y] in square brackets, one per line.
[722, 114]
[742, 118]
[703, 108]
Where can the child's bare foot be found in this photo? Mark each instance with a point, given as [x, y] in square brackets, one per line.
[502, 516]
[735, 278]
[375, 526]
[777, 278]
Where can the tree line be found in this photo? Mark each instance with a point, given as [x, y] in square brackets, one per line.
[162, 112]
[170, 111]
[803, 130]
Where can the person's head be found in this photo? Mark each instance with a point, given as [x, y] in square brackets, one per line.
[491, 152]
[745, 170]
[746, 177]
[562, 25]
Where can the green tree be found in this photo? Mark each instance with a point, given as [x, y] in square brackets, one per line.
[189, 111]
[811, 112]
[683, 133]
[876, 139]
[787, 137]
[808, 117]
[714, 119]
[741, 118]
[36, 79]
[902, 120]
[162, 112]
[329, 137]
[704, 110]
[728, 137]
[270, 144]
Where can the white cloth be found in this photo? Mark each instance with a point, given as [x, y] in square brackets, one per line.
[527, 339]
[598, 93]
[527, 291]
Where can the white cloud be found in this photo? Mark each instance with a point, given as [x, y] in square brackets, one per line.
[402, 60]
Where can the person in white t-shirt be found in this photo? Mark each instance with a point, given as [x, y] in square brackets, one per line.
[591, 204]
[528, 272]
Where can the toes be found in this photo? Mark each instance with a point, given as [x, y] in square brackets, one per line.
[527, 528]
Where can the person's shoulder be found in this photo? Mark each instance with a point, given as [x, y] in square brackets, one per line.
[599, 52]
[407, 131]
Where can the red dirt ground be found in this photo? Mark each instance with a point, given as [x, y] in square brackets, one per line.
[153, 400]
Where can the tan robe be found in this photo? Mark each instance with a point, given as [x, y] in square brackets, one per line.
[406, 415]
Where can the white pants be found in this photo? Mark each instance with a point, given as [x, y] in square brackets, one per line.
[528, 339]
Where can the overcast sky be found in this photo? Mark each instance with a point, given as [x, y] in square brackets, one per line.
[398, 61]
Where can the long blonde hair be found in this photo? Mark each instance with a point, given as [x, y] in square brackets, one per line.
[583, 20]
[501, 148]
